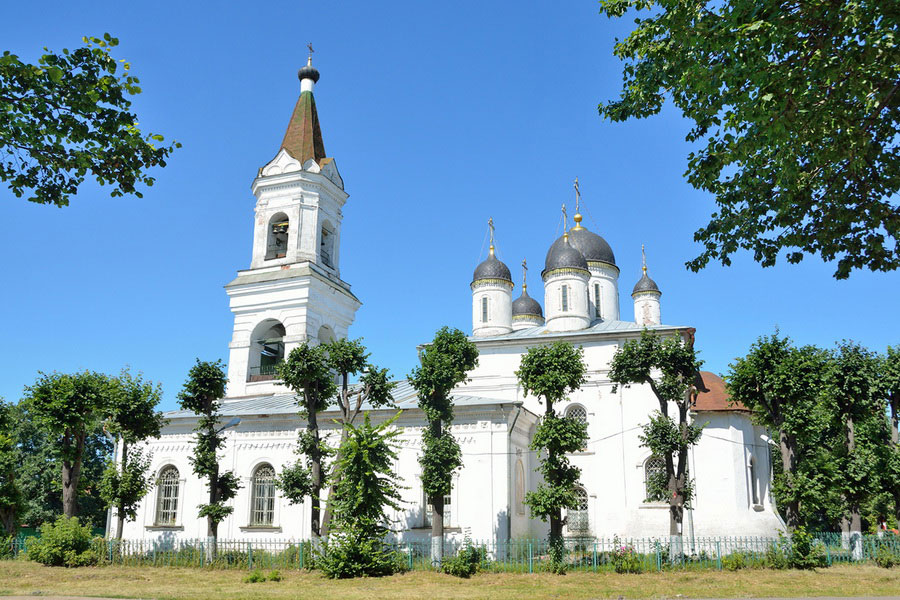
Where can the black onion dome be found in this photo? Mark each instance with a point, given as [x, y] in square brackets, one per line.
[492, 269]
[308, 72]
[592, 246]
[526, 305]
[645, 284]
[563, 256]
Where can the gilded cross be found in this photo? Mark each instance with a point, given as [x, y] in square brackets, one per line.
[577, 195]
[524, 274]
[565, 218]
[643, 259]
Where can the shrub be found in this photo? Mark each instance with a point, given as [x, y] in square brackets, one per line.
[625, 559]
[352, 553]
[275, 575]
[7, 547]
[66, 543]
[467, 561]
[734, 561]
[886, 558]
[806, 552]
[255, 577]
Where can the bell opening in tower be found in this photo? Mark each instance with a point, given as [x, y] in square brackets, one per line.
[277, 243]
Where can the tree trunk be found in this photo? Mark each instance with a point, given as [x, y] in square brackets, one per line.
[895, 419]
[437, 510]
[120, 508]
[71, 474]
[788, 447]
[332, 483]
[854, 520]
[315, 475]
[212, 526]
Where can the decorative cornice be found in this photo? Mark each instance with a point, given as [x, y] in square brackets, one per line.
[480, 283]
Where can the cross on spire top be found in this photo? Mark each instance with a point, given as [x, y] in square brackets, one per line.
[524, 275]
[643, 260]
[309, 58]
[577, 195]
[491, 228]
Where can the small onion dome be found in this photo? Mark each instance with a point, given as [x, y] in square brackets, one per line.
[593, 247]
[492, 269]
[563, 256]
[308, 72]
[645, 284]
[525, 305]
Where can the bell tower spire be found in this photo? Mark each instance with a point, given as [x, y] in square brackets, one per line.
[303, 138]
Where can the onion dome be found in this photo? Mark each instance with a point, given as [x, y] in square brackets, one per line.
[308, 72]
[645, 284]
[593, 247]
[492, 269]
[563, 256]
[525, 305]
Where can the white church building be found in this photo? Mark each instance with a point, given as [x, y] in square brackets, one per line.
[293, 293]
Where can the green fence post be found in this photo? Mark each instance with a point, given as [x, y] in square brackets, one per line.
[302, 545]
[530, 558]
[718, 554]
[595, 557]
[658, 558]
[250, 555]
[409, 555]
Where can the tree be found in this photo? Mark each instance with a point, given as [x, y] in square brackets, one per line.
[782, 386]
[67, 408]
[798, 104]
[10, 460]
[443, 364]
[349, 358]
[890, 389]
[69, 116]
[669, 366]
[132, 418]
[550, 373]
[366, 486]
[202, 394]
[307, 373]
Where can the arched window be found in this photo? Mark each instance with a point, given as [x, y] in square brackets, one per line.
[520, 487]
[754, 483]
[167, 496]
[262, 498]
[655, 479]
[576, 411]
[484, 309]
[597, 300]
[577, 518]
[267, 350]
[564, 290]
[326, 245]
[277, 240]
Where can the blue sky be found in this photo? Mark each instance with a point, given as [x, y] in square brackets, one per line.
[439, 115]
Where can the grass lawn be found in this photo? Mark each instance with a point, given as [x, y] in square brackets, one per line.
[28, 578]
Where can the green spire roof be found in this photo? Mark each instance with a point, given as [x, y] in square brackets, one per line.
[303, 138]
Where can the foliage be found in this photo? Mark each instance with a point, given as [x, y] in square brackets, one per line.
[69, 115]
[798, 106]
[551, 372]
[669, 366]
[11, 501]
[467, 562]
[625, 559]
[125, 486]
[735, 561]
[275, 575]
[365, 489]
[255, 577]
[64, 543]
[66, 408]
[202, 394]
[886, 557]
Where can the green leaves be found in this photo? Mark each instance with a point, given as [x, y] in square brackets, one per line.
[69, 117]
[552, 371]
[796, 110]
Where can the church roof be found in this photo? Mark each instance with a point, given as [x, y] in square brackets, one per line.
[541, 332]
[404, 395]
[303, 138]
[716, 397]
[492, 268]
[645, 284]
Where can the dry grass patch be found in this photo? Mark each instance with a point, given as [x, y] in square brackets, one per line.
[26, 578]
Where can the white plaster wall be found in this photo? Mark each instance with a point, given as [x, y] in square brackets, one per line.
[577, 316]
[647, 309]
[499, 309]
[607, 277]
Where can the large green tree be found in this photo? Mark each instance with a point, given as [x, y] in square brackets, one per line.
[443, 364]
[308, 374]
[349, 359]
[669, 366]
[68, 117]
[795, 109]
[132, 418]
[890, 389]
[11, 501]
[202, 394]
[67, 408]
[551, 373]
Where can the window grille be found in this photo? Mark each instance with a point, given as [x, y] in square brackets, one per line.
[325, 247]
[167, 496]
[577, 518]
[754, 485]
[565, 298]
[429, 511]
[597, 300]
[655, 479]
[578, 412]
[484, 309]
[263, 496]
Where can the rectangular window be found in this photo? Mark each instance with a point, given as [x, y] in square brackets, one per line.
[597, 300]
[565, 298]
[484, 309]
[429, 511]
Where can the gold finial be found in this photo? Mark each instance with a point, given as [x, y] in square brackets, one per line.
[577, 217]
[491, 227]
[309, 59]
[524, 276]
[643, 260]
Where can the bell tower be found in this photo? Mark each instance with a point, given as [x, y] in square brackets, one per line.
[292, 292]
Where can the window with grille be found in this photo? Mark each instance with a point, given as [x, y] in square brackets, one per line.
[429, 511]
[262, 499]
[565, 298]
[167, 496]
[754, 484]
[655, 479]
[577, 518]
[578, 412]
[597, 300]
[484, 309]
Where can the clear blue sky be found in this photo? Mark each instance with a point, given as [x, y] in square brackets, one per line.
[439, 115]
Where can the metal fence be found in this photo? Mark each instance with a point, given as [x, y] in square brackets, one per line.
[516, 556]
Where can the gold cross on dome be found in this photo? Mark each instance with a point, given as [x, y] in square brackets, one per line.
[309, 59]
[524, 274]
[643, 260]
[577, 195]
[565, 218]
[491, 228]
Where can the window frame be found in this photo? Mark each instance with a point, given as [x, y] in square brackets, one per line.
[564, 298]
[167, 504]
[268, 498]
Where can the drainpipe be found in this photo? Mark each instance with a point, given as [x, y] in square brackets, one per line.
[511, 489]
